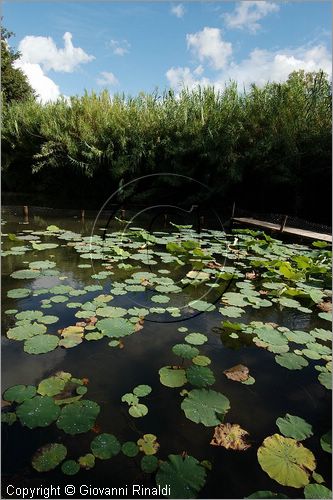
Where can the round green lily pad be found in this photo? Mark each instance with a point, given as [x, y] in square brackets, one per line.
[142, 390]
[294, 427]
[326, 442]
[78, 417]
[317, 491]
[200, 376]
[205, 406]
[39, 411]
[48, 457]
[138, 410]
[25, 331]
[149, 464]
[20, 393]
[291, 361]
[130, 449]
[105, 446]
[172, 377]
[87, 461]
[70, 467]
[51, 386]
[196, 338]
[201, 360]
[41, 344]
[185, 351]
[184, 475]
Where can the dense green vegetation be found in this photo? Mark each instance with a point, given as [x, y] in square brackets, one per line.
[268, 147]
[14, 83]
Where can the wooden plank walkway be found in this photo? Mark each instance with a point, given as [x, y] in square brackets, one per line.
[304, 233]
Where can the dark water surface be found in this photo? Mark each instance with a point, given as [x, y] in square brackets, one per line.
[113, 372]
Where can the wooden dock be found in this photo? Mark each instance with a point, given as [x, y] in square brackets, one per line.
[283, 228]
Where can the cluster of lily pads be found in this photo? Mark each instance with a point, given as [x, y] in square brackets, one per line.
[226, 275]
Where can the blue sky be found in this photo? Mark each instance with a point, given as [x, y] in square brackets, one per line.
[129, 47]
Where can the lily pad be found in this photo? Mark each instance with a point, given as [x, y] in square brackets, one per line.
[196, 338]
[205, 407]
[230, 436]
[291, 361]
[172, 376]
[184, 475]
[20, 393]
[70, 467]
[130, 449]
[39, 411]
[105, 446]
[148, 444]
[185, 351]
[116, 328]
[266, 494]
[200, 376]
[26, 331]
[286, 461]
[325, 378]
[8, 418]
[41, 344]
[130, 399]
[25, 274]
[51, 386]
[149, 464]
[317, 491]
[294, 427]
[138, 410]
[201, 360]
[142, 390]
[87, 461]
[18, 293]
[78, 417]
[326, 442]
[48, 457]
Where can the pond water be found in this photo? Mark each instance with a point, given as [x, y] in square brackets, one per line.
[115, 370]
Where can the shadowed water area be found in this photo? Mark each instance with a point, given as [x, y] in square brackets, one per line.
[113, 371]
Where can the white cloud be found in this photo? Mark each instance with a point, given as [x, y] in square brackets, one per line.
[178, 10]
[259, 67]
[45, 88]
[247, 14]
[184, 77]
[262, 65]
[42, 50]
[108, 78]
[120, 48]
[208, 45]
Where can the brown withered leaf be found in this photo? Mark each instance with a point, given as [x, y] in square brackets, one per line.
[213, 265]
[325, 306]
[239, 373]
[251, 276]
[230, 436]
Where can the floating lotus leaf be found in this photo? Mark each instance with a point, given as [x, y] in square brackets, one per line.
[138, 410]
[318, 478]
[130, 449]
[42, 264]
[201, 360]
[231, 311]
[130, 398]
[148, 444]
[197, 275]
[149, 464]
[291, 361]
[271, 336]
[70, 467]
[249, 381]
[205, 406]
[51, 386]
[321, 334]
[323, 315]
[48, 457]
[81, 390]
[79, 417]
[266, 494]
[87, 461]
[172, 376]
[326, 442]
[317, 491]
[41, 344]
[196, 338]
[59, 299]
[111, 312]
[20, 393]
[39, 411]
[25, 274]
[116, 327]
[286, 461]
[235, 299]
[53, 228]
[298, 337]
[185, 476]
[294, 427]
[8, 418]
[71, 340]
[230, 436]
[160, 299]
[325, 378]
[93, 336]
[201, 305]
[200, 376]
[105, 446]
[239, 373]
[11, 311]
[18, 293]
[182, 329]
[185, 351]
[48, 320]
[142, 390]
[26, 331]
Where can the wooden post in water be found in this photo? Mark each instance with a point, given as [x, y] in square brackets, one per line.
[26, 214]
[82, 214]
[233, 210]
[123, 213]
[165, 220]
[283, 223]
